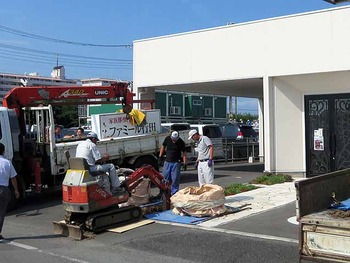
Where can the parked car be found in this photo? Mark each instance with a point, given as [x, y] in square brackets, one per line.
[235, 138]
[168, 127]
[238, 132]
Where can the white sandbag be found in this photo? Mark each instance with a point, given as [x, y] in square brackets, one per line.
[140, 195]
[207, 200]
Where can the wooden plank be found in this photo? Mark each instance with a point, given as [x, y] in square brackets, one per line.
[125, 228]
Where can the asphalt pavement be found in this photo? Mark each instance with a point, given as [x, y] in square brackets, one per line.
[269, 212]
[259, 234]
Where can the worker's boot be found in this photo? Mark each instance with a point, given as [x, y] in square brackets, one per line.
[118, 190]
[103, 182]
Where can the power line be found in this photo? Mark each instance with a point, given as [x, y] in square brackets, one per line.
[69, 64]
[63, 60]
[34, 36]
[60, 54]
[46, 57]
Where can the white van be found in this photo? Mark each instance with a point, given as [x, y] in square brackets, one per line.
[168, 127]
[214, 133]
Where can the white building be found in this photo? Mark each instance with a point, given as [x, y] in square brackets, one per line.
[99, 82]
[298, 66]
[9, 81]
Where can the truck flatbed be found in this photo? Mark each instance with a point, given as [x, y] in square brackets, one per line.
[324, 234]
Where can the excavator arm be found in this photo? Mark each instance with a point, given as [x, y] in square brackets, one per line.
[117, 93]
[156, 178]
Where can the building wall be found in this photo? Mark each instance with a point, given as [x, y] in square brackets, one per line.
[192, 108]
[295, 55]
[296, 44]
[161, 103]
[220, 108]
[284, 127]
[289, 133]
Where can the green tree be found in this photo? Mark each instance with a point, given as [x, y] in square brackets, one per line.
[66, 115]
[242, 116]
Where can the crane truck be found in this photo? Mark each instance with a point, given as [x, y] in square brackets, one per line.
[27, 124]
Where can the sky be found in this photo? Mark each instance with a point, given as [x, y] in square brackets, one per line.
[93, 39]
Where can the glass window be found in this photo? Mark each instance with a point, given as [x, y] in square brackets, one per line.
[212, 131]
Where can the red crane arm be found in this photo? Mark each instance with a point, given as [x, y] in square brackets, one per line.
[55, 95]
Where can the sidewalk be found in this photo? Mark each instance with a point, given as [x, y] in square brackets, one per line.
[260, 200]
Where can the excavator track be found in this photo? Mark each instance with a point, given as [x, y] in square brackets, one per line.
[119, 216]
[79, 226]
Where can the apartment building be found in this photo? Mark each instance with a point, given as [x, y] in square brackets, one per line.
[9, 80]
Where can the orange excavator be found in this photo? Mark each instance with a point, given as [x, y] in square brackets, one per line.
[91, 207]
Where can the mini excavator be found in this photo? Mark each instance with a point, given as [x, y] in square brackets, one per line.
[90, 207]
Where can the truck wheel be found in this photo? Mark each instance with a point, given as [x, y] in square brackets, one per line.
[146, 160]
[21, 188]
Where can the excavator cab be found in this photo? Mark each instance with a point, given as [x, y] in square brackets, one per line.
[85, 192]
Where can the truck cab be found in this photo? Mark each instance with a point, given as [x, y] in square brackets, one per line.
[9, 132]
[10, 138]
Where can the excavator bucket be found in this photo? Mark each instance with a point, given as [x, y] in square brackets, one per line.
[72, 231]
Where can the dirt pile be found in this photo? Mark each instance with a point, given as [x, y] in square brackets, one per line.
[339, 213]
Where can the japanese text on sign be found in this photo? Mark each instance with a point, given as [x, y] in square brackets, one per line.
[117, 125]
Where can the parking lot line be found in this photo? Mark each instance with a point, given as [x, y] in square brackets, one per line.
[233, 232]
[16, 244]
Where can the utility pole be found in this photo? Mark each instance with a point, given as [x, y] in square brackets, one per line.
[230, 106]
[236, 107]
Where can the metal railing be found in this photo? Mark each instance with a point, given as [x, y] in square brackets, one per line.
[240, 150]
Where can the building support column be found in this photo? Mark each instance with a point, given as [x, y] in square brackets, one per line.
[269, 124]
[261, 129]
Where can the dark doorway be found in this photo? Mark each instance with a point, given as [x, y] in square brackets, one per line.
[327, 120]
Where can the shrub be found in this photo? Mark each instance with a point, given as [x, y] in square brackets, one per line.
[238, 188]
[270, 179]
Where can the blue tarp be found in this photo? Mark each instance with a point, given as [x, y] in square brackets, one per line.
[170, 217]
[343, 205]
